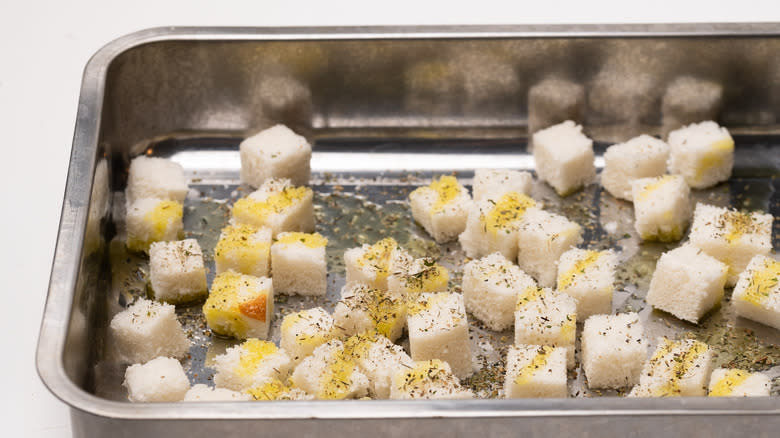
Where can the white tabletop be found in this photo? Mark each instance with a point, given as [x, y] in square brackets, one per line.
[43, 49]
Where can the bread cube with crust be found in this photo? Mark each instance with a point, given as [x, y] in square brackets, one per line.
[240, 306]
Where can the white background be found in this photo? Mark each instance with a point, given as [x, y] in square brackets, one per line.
[43, 49]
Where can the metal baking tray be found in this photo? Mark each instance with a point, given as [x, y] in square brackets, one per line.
[386, 109]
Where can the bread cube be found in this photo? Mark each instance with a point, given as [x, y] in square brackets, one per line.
[541, 240]
[492, 225]
[379, 359]
[731, 236]
[588, 277]
[410, 276]
[330, 373]
[250, 364]
[159, 380]
[304, 331]
[553, 101]
[689, 100]
[146, 330]
[176, 271]
[276, 152]
[438, 329]
[278, 205]
[275, 389]
[371, 264]
[494, 183]
[687, 283]
[429, 379]
[613, 350]
[738, 383]
[241, 306]
[662, 207]
[245, 249]
[676, 369]
[564, 157]
[703, 153]
[535, 371]
[366, 309]
[153, 220]
[299, 265]
[490, 287]
[153, 177]
[640, 157]
[757, 293]
[546, 317]
[205, 393]
[441, 208]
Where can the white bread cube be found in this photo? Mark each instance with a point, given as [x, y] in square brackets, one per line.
[490, 286]
[304, 331]
[564, 157]
[379, 359]
[703, 153]
[588, 277]
[541, 240]
[441, 208]
[409, 276]
[153, 220]
[176, 271]
[553, 101]
[250, 364]
[535, 371]
[640, 157]
[429, 379]
[159, 380]
[613, 350]
[687, 283]
[241, 306]
[330, 373]
[298, 264]
[757, 293]
[494, 183]
[662, 207]
[371, 264]
[738, 383]
[278, 205]
[731, 236]
[438, 329]
[146, 330]
[275, 389]
[205, 393]
[688, 100]
[362, 308]
[276, 152]
[546, 317]
[153, 177]
[676, 369]
[244, 249]
[492, 225]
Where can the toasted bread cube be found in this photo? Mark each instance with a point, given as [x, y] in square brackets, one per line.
[546, 317]
[494, 183]
[441, 208]
[429, 379]
[541, 240]
[640, 157]
[299, 265]
[410, 276]
[365, 309]
[703, 153]
[275, 389]
[176, 271]
[687, 283]
[241, 306]
[733, 237]
[153, 220]
[153, 177]
[304, 331]
[205, 393]
[676, 369]
[438, 329]
[490, 287]
[662, 207]
[371, 264]
[535, 371]
[276, 152]
[757, 293]
[613, 350]
[250, 364]
[245, 249]
[159, 380]
[330, 373]
[278, 205]
[588, 277]
[689, 100]
[492, 225]
[146, 330]
[378, 358]
[564, 157]
[738, 383]
[554, 100]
